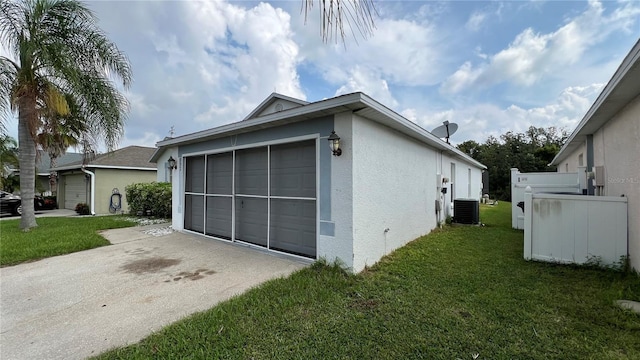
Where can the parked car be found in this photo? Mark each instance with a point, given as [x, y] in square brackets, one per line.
[10, 203]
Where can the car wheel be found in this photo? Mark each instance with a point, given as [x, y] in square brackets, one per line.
[18, 210]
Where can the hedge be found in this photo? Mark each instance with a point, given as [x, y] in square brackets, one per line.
[154, 196]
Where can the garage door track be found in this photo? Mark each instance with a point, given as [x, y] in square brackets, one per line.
[78, 305]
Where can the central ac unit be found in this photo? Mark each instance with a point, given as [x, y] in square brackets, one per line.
[466, 211]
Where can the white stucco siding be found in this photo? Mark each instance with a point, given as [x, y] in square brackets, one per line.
[177, 222]
[340, 246]
[467, 181]
[572, 162]
[394, 188]
[468, 178]
[616, 146]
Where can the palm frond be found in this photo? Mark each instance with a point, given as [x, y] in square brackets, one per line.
[8, 74]
[336, 15]
[12, 24]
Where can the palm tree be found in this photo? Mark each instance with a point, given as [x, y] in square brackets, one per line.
[58, 132]
[58, 49]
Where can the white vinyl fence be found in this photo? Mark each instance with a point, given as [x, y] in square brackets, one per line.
[575, 228]
[545, 182]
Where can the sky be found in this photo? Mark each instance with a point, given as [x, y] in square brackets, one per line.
[489, 66]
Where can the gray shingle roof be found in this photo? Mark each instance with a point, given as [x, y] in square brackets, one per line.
[129, 157]
[44, 161]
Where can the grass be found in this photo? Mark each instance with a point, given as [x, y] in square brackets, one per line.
[54, 236]
[457, 292]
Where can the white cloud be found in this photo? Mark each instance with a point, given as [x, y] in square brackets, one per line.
[146, 138]
[400, 51]
[533, 56]
[201, 64]
[370, 83]
[476, 20]
[479, 121]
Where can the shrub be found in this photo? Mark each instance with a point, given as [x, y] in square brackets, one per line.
[152, 196]
[50, 202]
[83, 209]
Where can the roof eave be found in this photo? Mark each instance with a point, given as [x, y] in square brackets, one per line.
[324, 107]
[611, 100]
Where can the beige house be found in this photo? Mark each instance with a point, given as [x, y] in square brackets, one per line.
[607, 143]
[100, 182]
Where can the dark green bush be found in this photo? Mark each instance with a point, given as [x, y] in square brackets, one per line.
[83, 209]
[152, 196]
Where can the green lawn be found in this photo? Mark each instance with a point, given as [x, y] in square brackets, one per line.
[457, 292]
[54, 236]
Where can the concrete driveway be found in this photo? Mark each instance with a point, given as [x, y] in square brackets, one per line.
[81, 304]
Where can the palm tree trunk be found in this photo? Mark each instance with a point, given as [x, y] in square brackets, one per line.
[27, 158]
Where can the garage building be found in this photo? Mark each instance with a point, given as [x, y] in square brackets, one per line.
[272, 181]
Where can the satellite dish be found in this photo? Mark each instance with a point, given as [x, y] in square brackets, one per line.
[445, 130]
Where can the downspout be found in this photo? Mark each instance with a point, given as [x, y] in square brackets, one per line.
[93, 187]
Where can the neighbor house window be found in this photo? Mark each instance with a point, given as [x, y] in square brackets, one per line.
[580, 160]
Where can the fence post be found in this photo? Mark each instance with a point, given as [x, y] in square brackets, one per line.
[514, 213]
[528, 219]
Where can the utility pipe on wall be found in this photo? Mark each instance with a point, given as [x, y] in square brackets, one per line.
[93, 188]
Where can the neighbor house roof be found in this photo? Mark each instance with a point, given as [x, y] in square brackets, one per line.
[130, 157]
[623, 87]
[44, 162]
[359, 103]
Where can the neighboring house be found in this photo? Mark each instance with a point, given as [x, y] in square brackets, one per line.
[43, 162]
[272, 180]
[44, 184]
[607, 143]
[96, 181]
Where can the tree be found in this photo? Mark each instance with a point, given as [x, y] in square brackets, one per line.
[335, 14]
[58, 132]
[531, 151]
[8, 159]
[58, 49]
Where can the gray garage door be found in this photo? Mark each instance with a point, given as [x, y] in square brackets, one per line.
[264, 196]
[75, 190]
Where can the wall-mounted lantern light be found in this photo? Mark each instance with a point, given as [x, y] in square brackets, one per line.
[334, 144]
[173, 164]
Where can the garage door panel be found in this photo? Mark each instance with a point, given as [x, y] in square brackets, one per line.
[219, 217]
[194, 213]
[75, 190]
[195, 174]
[251, 171]
[220, 173]
[293, 169]
[251, 220]
[293, 226]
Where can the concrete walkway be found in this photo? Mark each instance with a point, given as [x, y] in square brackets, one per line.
[81, 304]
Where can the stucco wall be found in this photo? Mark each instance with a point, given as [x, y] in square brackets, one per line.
[108, 179]
[163, 174]
[466, 174]
[340, 245]
[616, 146]
[394, 188]
[571, 163]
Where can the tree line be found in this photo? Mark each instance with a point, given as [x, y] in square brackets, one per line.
[530, 151]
